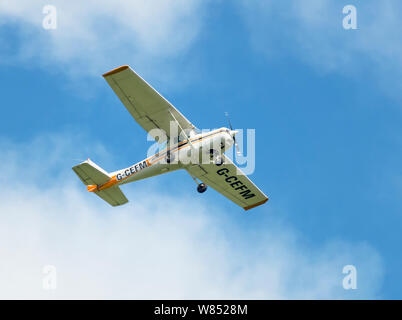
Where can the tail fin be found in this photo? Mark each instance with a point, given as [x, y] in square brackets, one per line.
[93, 176]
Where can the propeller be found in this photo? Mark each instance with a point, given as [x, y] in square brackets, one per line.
[234, 135]
[230, 124]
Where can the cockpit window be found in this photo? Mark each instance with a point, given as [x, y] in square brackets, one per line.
[162, 146]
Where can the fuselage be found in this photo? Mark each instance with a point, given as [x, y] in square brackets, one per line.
[199, 148]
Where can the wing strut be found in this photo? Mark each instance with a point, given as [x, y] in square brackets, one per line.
[184, 132]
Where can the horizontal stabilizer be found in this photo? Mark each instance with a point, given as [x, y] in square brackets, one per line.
[90, 173]
[93, 176]
[113, 195]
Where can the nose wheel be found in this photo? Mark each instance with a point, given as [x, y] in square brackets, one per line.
[216, 157]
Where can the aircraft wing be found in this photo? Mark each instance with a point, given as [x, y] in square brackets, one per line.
[231, 182]
[144, 103]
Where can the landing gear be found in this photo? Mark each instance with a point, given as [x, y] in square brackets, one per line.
[201, 188]
[169, 157]
[218, 160]
[216, 157]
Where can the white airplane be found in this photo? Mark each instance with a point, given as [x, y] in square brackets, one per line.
[201, 154]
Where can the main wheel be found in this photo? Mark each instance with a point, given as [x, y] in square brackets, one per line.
[201, 188]
[169, 157]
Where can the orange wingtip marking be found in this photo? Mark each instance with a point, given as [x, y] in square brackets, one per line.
[256, 204]
[92, 187]
[117, 70]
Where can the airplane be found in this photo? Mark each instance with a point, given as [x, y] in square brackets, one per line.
[181, 146]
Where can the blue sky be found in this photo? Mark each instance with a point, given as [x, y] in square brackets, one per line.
[325, 103]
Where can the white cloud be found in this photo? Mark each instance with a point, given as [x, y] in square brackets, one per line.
[312, 31]
[154, 247]
[93, 36]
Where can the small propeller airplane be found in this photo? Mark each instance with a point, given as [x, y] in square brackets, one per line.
[200, 153]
